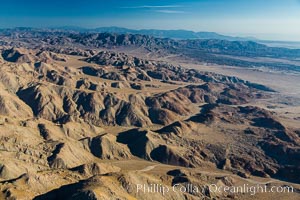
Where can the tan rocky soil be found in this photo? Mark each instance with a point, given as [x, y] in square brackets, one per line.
[76, 127]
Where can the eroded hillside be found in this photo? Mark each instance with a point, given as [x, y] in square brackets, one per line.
[92, 125]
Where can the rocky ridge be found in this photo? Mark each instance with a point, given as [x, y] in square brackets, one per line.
[54, 121]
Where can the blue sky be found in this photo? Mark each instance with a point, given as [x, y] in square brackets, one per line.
[266, 19]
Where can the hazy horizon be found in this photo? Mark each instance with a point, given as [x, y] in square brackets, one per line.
[266, 20]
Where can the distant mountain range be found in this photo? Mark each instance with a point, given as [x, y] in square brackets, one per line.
[217, 51]
[181, 35]
[173, 34]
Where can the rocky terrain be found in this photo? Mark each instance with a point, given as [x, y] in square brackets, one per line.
[79, 123]
[217, 51]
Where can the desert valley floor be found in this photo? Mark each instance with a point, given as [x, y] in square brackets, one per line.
[93, 123]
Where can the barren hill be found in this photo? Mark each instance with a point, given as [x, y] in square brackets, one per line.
[91, 124]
